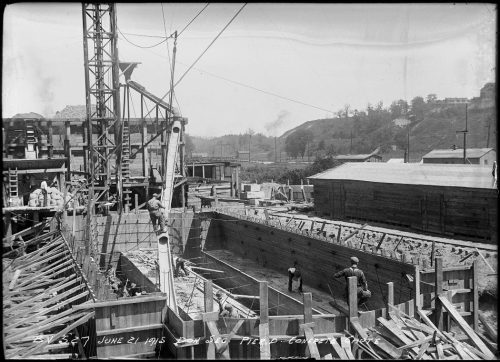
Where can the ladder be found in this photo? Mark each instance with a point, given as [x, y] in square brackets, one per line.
[13, 184]
[126, 152]
[125, 162]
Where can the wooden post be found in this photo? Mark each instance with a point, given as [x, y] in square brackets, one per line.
[8, 224]
[433, 251]
[390, 295]
[352, 296]
[136, 200]
[264, 302]
[209, 297]
[265, 347]
[438, 289]
[67, 151]
[85, 147]
[62, 186]
[307, 301]
[416, 288]
[144, 140]
[475, 297]
[50, 141]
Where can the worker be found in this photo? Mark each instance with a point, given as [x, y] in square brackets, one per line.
[180, 264]
[229, 312]
[154, 205]
[294, 274]
[362, 285]
[218, 300]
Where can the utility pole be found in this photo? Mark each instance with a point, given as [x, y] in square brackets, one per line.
[350, 149]
[408, 145]
[249, 142]
[275, 150]
[465, 131]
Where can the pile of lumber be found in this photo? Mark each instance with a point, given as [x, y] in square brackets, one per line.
[400, 336]
[39, 290]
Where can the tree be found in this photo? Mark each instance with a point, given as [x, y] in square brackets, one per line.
[189, 145]
[296, 143]
[347, 107]
[418, 108]
[431, 98]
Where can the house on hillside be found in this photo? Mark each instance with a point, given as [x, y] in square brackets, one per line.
[449, 200]
[370, 157]
[475, 156]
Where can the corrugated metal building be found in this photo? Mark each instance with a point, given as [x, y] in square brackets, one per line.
[475, 156]
[453, 200]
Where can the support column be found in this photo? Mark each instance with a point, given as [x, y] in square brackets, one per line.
[390, 295]
[67, 150]
[265, 347]
[85, 147]
[50, 140]
[62, 186]
[475, 297]
[353, 296]
[416, 288]
[209, 297]
[438, 289]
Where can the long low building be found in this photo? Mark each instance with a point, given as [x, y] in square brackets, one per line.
[453, 200]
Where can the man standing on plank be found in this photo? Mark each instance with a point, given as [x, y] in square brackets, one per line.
[353, 271]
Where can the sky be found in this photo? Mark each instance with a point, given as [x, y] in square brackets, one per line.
[275, 66]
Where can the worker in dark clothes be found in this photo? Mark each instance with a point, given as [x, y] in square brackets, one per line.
[218, 300]
[229, 312]
[294, 274]
[154, 207]
[362, 286]
[180, 264]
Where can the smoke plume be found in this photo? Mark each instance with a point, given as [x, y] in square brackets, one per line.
[274, 126]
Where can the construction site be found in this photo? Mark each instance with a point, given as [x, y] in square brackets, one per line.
[88, 274]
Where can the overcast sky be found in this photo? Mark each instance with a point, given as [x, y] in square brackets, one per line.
[322, 56]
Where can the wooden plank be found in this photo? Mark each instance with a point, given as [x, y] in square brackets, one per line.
[346, 346]
[353, 296]
[307, 301]
[123, 301]
[264, 302]
[129, 329]
[422, 350]
[313, 347]
[208, 296]
[489, 331]
[465, 327]
[265, 347]
[338, 349]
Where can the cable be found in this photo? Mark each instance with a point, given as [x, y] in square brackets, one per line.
[193, 19]
[140, 46]
[206, 49]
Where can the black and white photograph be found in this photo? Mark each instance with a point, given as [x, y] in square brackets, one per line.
[200, 181]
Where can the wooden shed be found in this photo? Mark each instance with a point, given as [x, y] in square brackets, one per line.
[453, 200]
[475, 156]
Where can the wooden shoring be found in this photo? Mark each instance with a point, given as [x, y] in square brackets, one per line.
[58, 335]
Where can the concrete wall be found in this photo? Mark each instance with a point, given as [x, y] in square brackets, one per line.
[319, 260]
[450, 211]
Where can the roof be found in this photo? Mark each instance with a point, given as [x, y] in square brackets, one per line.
[396, 160]
[30, 164]
[458, 153]
[355, 157]
[473, 176]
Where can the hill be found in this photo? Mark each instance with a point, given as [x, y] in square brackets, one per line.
[431, 123]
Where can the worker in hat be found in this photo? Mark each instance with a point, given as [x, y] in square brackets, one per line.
[362, 286]
[294, 274]
[229, 312]
[154, 205]
[218, 300]
[180, 264]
